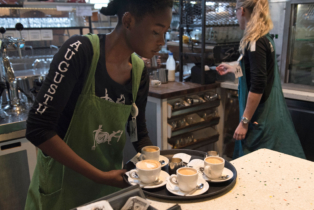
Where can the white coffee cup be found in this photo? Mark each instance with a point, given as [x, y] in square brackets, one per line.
[147, 171]
[186, 178]
[213, 166]
[150, 153]
[155, 83]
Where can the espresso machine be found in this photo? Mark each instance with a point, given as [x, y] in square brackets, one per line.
[7, 75]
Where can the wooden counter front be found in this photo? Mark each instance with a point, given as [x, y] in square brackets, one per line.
[172, 89]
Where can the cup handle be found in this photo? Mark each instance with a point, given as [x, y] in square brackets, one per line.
[173, 176]
[142, 157]
[207, 170]
[133, 174]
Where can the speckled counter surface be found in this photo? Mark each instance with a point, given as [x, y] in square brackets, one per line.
[266, 180]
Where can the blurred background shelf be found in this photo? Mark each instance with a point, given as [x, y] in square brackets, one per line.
[174, 113]
[192, 127]
[52, 28]
[200, 143]
[36, 4]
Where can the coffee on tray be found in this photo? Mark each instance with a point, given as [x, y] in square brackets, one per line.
[213, 160]
[187, 171]
[148, 164]
[150, 149]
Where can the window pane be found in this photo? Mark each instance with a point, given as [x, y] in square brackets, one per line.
[302, 46]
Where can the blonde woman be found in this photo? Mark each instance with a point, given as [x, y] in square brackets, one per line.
[265, 121]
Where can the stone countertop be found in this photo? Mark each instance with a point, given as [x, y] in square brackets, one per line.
[172, 89]
[266, 180]
[288, 93]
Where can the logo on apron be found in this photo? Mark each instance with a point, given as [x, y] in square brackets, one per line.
[120, 100]
[103, 137]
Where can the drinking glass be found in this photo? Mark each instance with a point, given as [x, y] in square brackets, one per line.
[50, 22]
[25, 22]
[35, 22]
[4, 22]
[10, 22]
[44, 22]
[174, 125]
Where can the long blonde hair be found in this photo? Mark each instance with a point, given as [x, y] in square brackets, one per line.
[259, 24]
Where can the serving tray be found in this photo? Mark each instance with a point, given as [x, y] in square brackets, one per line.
[214, 188]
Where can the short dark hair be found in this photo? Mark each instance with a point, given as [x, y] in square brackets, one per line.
[138, 8]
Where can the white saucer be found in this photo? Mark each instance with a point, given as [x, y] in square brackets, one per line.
[161, 157]
[225, 172]
[163, 176]
[197, 163]
[176, 190]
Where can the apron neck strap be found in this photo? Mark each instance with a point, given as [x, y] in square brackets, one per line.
[137, 70]
[89, 86]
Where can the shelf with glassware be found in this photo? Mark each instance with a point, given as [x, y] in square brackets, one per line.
[52, 28]
[195, 139]
[45, 16]
[213, 19]
[103, 23]
[42, 4]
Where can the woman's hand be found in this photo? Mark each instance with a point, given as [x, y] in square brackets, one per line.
[241, 131]
[158, 62]
[114, 178]
[147, 62]
[223, 69]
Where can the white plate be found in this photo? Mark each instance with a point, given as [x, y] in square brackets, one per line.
[163, 176]
[165, 159]
[197, 163]
[176, 190]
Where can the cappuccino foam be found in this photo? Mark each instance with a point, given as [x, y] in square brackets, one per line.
[213, 160]
[150, 149]
[148, 164]
[187, 171]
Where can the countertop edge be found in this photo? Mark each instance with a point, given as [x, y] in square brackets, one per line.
[184, 91]
[288, 93]
[13, 135]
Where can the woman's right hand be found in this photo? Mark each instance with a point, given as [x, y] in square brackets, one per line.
[61, 152]
[114, 178]
[224, 68]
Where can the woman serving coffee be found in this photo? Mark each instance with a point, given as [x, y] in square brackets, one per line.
[265, 119]
[95, 85]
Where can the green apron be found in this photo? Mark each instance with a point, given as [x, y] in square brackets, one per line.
[275, 129]
[97, 134]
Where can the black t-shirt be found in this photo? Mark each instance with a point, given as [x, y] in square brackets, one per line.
[60, 92]
[259, 61]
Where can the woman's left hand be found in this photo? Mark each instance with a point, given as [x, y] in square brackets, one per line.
[158, 62]
[241, 131]
[147, 62]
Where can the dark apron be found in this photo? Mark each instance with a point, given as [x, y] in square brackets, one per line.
[275, 129]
